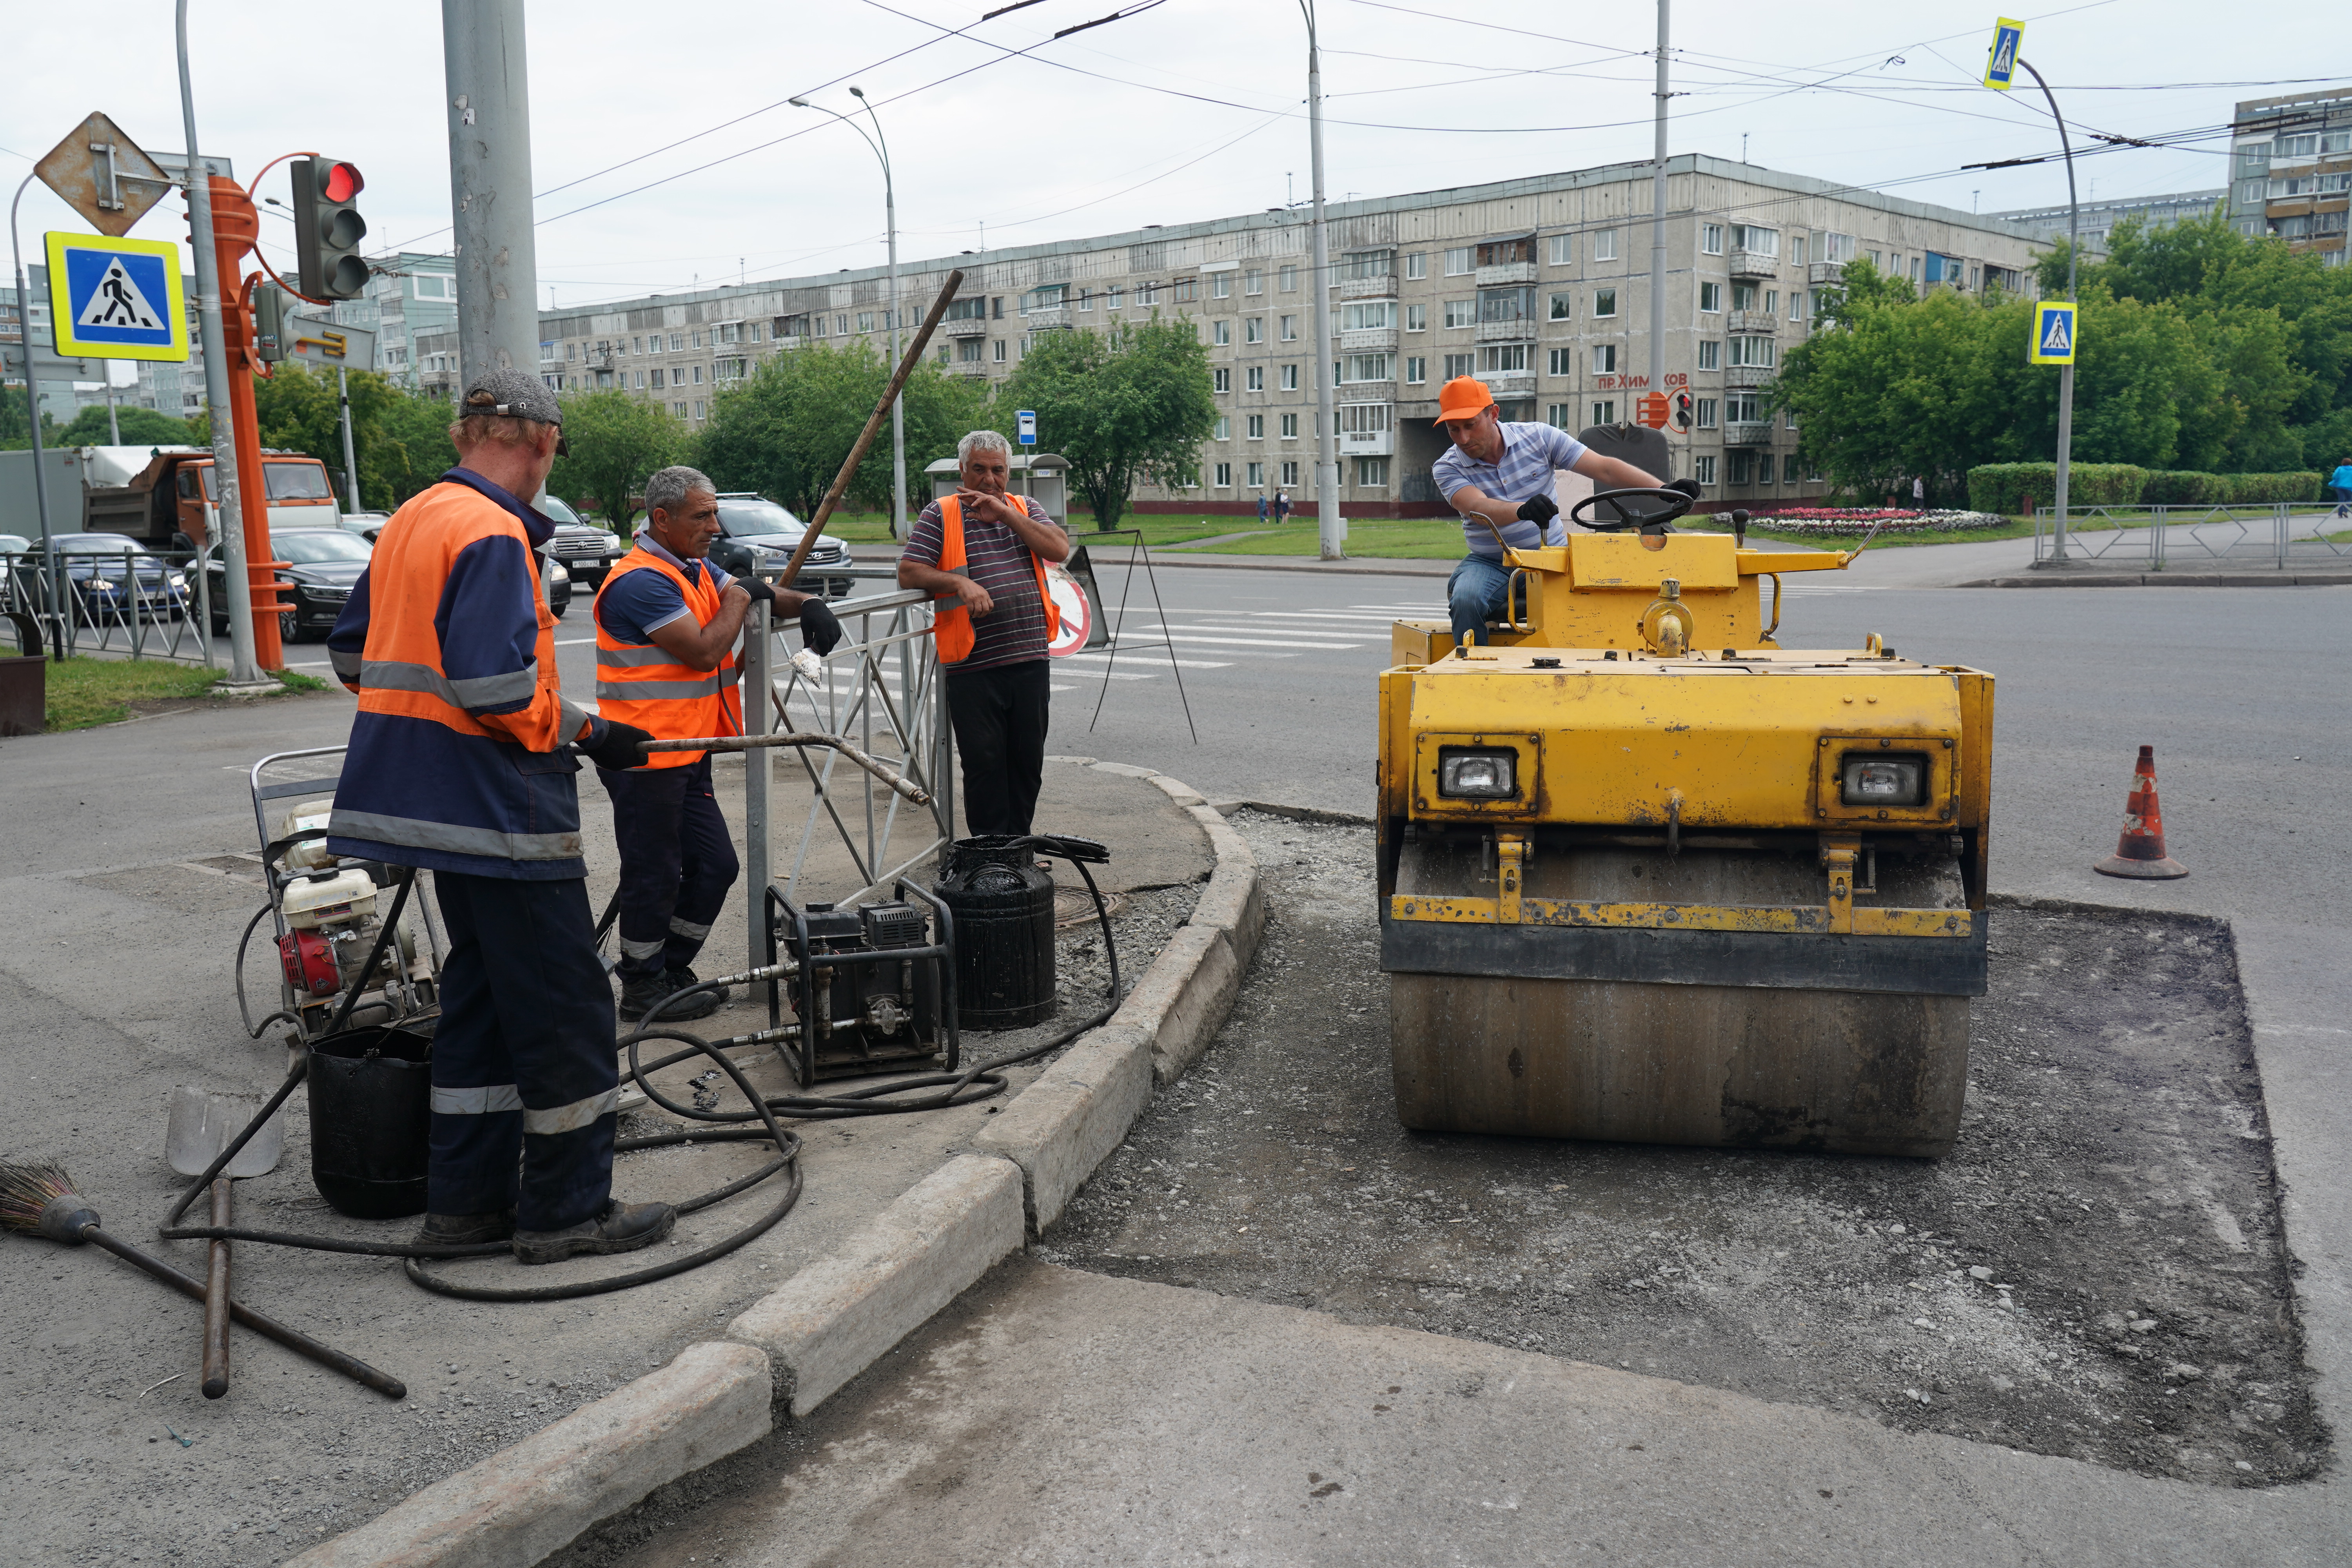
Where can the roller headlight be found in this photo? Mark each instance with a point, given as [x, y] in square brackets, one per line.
[1463, 773]
[1883, 780]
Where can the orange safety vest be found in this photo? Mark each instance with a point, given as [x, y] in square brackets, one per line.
[644, 684]
[952, 627]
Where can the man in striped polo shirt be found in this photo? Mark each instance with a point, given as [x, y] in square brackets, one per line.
[984, 550]
[1502, 473]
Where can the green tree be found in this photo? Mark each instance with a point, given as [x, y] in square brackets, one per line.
[296, 410]
[786, 429]
[1126, 406]
[616, 442]
[416, 433]
[139, 428]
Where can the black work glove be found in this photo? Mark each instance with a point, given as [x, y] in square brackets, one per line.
[757, 588]
[1538, 510]
[820, 628]
[1687, 487]
[617, 748]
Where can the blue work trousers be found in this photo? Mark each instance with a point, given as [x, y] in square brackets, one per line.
[677, 863]
[523, 1058]
[1476, 594]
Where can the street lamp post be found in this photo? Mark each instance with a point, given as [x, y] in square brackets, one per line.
[880, 148]
[1329, 530]
[2066, 371]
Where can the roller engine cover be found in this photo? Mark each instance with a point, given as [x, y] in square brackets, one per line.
[309, 960]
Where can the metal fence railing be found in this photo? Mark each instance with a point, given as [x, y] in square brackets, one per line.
[2180, 538]
[137, 604]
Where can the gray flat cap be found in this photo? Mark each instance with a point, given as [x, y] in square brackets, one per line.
[513, 392]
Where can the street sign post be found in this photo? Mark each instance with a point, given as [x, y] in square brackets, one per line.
[102, 174]
[117, 299]
[1028, 418]
[2001, 61]
[2054, 333]
[321, 342]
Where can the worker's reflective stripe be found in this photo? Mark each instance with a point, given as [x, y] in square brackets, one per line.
[571, 718]
[349, 666]
[642, 948]
[418, 834]
[479, 1101]
[669, 690]
[1791, 919]
[687, 928]
[572, 1117]
[634, 657]
[477, 691]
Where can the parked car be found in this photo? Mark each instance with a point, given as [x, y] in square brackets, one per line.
[366, 524]
[109, 575]
[761, 536]
[13, 546]
[322, 566]
[586, 551]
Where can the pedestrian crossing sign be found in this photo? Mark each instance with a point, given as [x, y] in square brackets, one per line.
[2000, 60]
[117, 299]
[2054, 333]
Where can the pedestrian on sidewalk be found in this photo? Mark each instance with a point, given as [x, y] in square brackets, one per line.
[986, 552]
[1281, 508]
[1261, 506]
[2339, 487]
[1918, 492]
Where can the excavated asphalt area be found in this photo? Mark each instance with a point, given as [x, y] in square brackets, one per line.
[2096, 1271]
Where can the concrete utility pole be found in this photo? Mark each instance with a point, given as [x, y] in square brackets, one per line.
[351, 464]
[489, 187]
[229, 513]
[1658, 227]
[1329, 532]
[33, 406]
[2065, 372]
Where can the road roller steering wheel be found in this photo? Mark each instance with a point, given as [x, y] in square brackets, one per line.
[1676, 504]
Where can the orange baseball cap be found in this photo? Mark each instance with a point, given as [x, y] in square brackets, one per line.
[1462, 398]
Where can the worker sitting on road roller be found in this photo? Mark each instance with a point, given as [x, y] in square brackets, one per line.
[1502, 473]
[666, 629]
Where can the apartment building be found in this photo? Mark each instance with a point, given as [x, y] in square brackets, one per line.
[2098, 219]
[1540, 287]
[2291, 170]
[409, 295]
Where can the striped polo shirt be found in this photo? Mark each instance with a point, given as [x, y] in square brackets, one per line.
[1530, 453]
[995, 557]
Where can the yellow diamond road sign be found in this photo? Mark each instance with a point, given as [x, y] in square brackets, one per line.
[117, 299]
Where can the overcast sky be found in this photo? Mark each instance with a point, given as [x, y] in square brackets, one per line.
[1184, 110]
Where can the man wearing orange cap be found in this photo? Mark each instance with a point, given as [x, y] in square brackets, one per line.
[1501, 474]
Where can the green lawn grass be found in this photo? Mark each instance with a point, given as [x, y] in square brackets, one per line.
[85, 692]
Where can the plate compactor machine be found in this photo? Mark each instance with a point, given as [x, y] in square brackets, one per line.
[1647, 876]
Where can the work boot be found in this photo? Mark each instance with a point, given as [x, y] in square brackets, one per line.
[621, 1228]
[680, 978]
[639, 992]
[465, 1229]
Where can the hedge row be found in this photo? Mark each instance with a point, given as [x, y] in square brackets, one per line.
[2009, 487]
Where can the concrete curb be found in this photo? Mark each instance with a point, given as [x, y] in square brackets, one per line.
[2170, 580]
[801, 1344]
[526, 1501]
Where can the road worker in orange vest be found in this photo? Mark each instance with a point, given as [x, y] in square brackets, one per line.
[667, 626]
[985, 552]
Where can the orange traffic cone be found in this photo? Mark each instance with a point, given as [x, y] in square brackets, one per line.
[2140, 851]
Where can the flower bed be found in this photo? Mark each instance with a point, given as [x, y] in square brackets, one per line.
[1854, 522]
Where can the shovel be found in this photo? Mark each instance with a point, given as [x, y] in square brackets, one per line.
[202, 1124]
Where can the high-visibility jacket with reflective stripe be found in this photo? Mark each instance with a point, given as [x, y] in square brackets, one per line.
[952, 626]
[458, 759]
[645, 685]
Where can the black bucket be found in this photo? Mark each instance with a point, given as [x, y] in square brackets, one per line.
[371, 1120]
[1003, 908]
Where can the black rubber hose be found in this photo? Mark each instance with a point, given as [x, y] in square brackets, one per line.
[252, 1030]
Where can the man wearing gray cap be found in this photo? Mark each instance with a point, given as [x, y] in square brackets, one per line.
[461, 763]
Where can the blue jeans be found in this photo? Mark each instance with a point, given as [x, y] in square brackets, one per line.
[1474, 595]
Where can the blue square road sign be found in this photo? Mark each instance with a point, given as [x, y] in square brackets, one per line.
[117, 299]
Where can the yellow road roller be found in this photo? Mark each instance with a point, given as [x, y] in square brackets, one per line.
[1646, 876]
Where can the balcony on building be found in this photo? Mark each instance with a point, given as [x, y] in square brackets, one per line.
[1045, 319]
[1748, 433]
[1368, 443]
[1746, 375]
[1369, 286]
[1369, 340]
[1507, 273]
[1500, 263]
[1519, 331]
[1746, 263]
[1508, 383]
[1750, 322]
[971, 327]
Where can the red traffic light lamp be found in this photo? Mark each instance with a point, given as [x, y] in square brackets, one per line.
[328, 228]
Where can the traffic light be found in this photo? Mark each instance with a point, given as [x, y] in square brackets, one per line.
[269, 323]
[328, 228]
[1682, 411]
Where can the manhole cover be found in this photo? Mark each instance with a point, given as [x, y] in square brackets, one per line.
[1074, 906]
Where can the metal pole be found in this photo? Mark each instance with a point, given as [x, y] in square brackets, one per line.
[2065, 372]
[33, 407]
[489, 186]
[351, 464]
[113, 425]
[1658, 229]
[897, 404]
[244, 669]
[757, 848]
[1330, 533]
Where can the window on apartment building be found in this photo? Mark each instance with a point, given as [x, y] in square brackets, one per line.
[1710, 297]
[1460, 365]
[1561, 307]
[1359, 316]
[1560, 416]
[1256, 428]
[1252, 281]
[1754, 240]
[1225, 431]
[1461, 312]
[1604, 245]
[1605, 412]
[698, 376]
[1562, 361]
[1221, 379]
[1506, 304]
[1457, 261]
[1113, 299]
[1874, 259]
[1710, 239]
[1797, 250]
[1416, 369]
[1416, 317]
[1604, 359]
[1220, 286]
[1743, 296]
[1837, 247]
[972, 310]
[1220, 333]
[1711, 353]
[1707, 412]
[2335, 142]
[1771, 301]
[1290, 426]
[1789, 468]
[1086, 299]
[1289, 329]
[1286, 280]
[1764, 471]
[2253, 156]
[1560, 250]
[1702, 469]
[1146, 296]
[1915, 264]
[641, 381]
[698, 410]
[568, 353]
[732, 331]
[1256, 475]
[1743, 408]
[1188, 291]
[1743, 468]
[1787, 419]
[1254, 329]
[941, 354]
[1417, 265]
[1367, 367]
[1224, 478]
[1372, 473]
[1290, 378]
[1797, 297]
[657, 378]
[1503, 357]
[679, 409]
[1290, 475]
[997, 350]
[967, 351]
[1604, 302]
[1508, 252]
[2295, 146]
[1254, 378]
